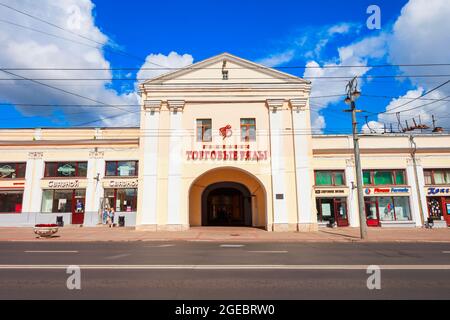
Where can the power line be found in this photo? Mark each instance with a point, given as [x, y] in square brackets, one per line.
[123, 52]
[61, 90]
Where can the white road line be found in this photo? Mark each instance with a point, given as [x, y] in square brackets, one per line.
[30, 251]
[268, 251]
[232, 245]
[445, 251]
[118, 256]
[162, 246]
[226, 267]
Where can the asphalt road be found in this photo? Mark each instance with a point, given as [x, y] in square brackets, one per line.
[209, 270]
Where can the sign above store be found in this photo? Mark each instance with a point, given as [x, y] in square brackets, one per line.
[64, 184]
[121, 183]
[435, 191]
[327, 192]
[387, 191]
[227, 153]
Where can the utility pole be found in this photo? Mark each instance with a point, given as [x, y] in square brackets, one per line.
[352, 95]
[416, 176]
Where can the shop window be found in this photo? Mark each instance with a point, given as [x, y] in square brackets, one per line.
[330, 178]
[65, 169]
[384, 177]
[248, 130]
[121, 200]
[122, 168]
[63, 201]
[437, 176]
[11, 201]
[204, 130]
[12, 170]
[389, 208]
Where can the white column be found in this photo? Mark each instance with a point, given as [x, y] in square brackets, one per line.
[307, 220]
[352, 201]
[148, 173]
[415, 198]
[32, 195]
[278, 166]
[94, 190]
[174, 218]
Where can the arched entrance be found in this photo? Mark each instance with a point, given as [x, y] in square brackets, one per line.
[227, 204]
[228, 196]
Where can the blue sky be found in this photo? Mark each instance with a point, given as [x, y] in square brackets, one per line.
[281, 33]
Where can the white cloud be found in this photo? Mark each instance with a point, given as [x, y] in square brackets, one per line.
[421, 35]
[374, 127]
[277, 59]
[355, 54]
[28, 49]
[151, 68]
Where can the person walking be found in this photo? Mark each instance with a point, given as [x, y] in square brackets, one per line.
[111, 217]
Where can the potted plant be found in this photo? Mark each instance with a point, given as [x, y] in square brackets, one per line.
[46, 230]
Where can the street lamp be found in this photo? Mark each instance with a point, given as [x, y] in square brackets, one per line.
[352, 95]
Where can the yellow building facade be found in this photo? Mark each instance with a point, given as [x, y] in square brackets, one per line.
[224, 142]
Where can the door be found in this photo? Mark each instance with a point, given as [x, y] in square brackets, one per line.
[78, 205]
[340, 212]
[371, 208]
[447, 210]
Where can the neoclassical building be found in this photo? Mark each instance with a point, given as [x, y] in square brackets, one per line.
[224, 142]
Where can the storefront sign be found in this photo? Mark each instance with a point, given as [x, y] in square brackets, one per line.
[64, 184]
[66, 170]
[443, 191]
[121, 184]
[227, 153]
[387, 191]
[342, 192]
[6, 171]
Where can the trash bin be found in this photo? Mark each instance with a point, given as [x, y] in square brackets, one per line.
[60, 221]
[122, 221]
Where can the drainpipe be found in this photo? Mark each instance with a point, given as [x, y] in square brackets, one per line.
[416, 177]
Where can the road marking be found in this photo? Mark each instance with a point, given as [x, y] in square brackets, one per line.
[268, 251]
[232, 245]
[162, 246]
[445, 251]
[118, 256]
[226, 267]
[30, 251]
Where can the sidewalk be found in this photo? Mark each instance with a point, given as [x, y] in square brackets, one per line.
[75, 234]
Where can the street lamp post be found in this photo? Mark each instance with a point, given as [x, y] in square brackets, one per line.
[352, 95]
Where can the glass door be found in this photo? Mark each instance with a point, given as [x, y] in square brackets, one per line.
[447, 210]
[371, 208]
[340, 212]
[78, 206]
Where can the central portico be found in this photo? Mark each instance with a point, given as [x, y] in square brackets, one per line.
[226, 142]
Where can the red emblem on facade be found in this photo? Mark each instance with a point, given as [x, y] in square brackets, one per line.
[226, 132]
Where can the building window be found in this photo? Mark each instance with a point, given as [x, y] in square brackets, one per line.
[204, 130]
[388, 208]
[11, 201]
[248, 129]
[384, 177]
[330, 178]
[437, 176]
[121, 168]
[63, 201]
[12, 170]
[121, 200]
[65, 169]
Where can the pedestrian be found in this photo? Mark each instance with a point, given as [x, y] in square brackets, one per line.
[105, 216]
[111, 217]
